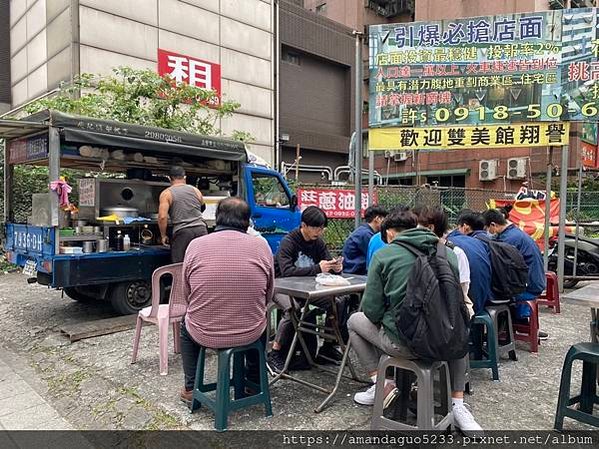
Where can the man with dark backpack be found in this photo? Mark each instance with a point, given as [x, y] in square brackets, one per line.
[506, 232]
[450, 310]
[392, 281]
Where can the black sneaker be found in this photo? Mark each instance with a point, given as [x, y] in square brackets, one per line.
[543, 335]
[328, 354]
[276, 361]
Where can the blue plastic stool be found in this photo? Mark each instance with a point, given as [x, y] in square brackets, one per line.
[484, 357]
[588, 353]
[223, 405]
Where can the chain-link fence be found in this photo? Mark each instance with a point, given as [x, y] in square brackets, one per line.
[589, 206]
[452, 199]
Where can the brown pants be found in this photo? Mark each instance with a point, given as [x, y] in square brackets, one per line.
[181, 240]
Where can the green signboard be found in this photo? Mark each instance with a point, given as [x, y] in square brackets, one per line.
[539, 66]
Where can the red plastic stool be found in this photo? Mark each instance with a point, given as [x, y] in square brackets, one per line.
[550, 296]
[529, 332]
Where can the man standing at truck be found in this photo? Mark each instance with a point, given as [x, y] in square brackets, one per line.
[183, 203]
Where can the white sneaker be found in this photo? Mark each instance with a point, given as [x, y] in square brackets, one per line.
[463, 420]
[367, 397]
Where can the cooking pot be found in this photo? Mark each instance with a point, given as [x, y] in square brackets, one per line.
[147, 236]
[120, 211]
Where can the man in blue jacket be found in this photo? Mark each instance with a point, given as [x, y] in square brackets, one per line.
[507, 232]
[356, 245]
[470, 224]
[376, 241]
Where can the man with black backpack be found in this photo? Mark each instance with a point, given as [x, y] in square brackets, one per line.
[413, 307]
[504, 231]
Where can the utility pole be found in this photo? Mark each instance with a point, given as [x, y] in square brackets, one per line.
[358, 125]
[548, 208]
[298, 157]
[563, 193]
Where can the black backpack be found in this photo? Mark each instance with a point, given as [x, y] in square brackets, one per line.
[510, 272]
[432, 319]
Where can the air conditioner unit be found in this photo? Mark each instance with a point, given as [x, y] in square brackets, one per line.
[389, 154]
[400, 156]
[487, 170]
[516, 168]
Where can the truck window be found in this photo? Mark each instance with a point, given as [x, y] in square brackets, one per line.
[268, 191]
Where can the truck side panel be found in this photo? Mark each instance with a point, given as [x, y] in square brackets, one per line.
[106, 268]
[25, 242]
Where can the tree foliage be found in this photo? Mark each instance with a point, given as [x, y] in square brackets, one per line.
[142, 97]
[127, 95]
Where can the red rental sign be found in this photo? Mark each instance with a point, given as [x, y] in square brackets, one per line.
[335, 203]
[589, 154]
[190, 70]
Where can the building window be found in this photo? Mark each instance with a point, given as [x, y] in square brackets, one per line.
[447, 181]
[321, 9]
[291, 58]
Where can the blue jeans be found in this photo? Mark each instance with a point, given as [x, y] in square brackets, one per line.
[522, 310]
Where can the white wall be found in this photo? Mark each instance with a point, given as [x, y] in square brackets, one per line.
[238, 34]
[234, 33]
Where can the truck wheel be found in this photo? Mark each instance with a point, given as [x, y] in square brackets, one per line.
[130, 297]
[76, 294]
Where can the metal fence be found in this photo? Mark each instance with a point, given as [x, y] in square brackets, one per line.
[453, 200]
[589, 206]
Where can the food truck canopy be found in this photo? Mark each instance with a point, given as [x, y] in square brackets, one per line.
[13, 129]
[91, 131]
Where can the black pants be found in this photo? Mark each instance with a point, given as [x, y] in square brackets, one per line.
[285, 331]
[190, 352]
[181, 240]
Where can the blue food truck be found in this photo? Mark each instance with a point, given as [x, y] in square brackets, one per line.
[121, 171]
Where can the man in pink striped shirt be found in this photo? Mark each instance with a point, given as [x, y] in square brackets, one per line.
[228, 279]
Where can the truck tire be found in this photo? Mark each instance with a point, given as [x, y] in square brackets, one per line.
[130, 297]
[76, 294]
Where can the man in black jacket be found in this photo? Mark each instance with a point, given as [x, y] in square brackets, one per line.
[302, 252]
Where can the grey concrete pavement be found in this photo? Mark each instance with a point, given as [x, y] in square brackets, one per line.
[92, 384]
[21, 407]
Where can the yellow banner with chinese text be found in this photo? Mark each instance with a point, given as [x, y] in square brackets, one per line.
[470, 136]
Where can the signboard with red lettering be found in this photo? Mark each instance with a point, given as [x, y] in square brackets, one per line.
[190, 70]
[28, 150]
[334, 202]
[508, 68]
[488, 69]
[589, 154]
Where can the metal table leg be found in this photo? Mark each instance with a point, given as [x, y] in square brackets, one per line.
[296, 336]
[331, 333]
[344, 361]
[337, 380]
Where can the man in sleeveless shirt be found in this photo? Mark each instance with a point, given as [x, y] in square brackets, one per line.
[183, 203]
